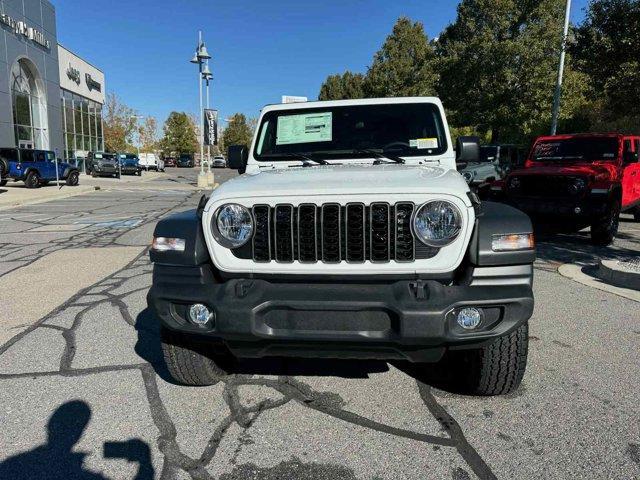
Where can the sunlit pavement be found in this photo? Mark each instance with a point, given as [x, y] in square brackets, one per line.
[84, 394]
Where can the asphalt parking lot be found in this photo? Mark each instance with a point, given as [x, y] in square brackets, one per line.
[84, 393]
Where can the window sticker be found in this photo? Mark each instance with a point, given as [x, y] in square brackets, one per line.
[427, 143]
[413, 143]
[304, 128]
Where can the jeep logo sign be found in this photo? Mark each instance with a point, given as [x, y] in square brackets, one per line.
[73, 74]
[21, 28]
[91, 83]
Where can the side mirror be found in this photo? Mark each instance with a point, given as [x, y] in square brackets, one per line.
[467, 151]
[237, 157]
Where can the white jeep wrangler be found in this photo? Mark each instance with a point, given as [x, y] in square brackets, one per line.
[349, 234]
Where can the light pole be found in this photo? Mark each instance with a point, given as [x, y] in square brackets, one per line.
[200, 56]
[136, 118]
[558, 92]
[207, 76]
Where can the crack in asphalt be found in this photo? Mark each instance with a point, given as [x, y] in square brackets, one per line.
[290, 388]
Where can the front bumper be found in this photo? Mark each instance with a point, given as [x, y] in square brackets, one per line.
[407, 319]
[130, 169]
[585, 208]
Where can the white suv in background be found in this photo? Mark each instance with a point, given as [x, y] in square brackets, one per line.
[151, 161]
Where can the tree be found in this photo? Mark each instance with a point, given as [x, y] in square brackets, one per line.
[148, 133]
[498, 64]
[342, 86]
[179, 134]
[238, 132]
[119, 125]
[607, 48]
[404, 66]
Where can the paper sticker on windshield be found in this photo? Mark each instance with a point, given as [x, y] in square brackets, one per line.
[427, 143]
[304, 128]
[413, 143]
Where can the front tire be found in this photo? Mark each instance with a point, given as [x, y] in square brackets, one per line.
[32, 180]
[187, 363]
[496, 368]
[604, 230]
[72, 179]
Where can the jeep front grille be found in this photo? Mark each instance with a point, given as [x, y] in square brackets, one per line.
[332, 233]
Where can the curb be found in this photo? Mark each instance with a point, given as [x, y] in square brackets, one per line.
[576, 273]
[34, 201]
[610, 273]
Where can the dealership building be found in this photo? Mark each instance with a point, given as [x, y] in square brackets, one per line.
[50, 98]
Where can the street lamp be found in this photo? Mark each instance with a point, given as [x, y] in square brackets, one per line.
[207, 76]
[199, 58]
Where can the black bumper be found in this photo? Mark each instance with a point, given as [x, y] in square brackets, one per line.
[548, 209]
[130, 170]
[408, 319]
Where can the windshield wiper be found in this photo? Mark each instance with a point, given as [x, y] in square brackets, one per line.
[379, 155]
[306, 157]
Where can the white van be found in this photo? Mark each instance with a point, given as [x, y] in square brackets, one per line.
[150, 161]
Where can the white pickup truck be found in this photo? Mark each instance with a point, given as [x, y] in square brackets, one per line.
[350, 234]
[151, 161]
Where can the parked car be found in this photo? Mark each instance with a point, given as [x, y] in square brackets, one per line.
[151, 161]
[103, 164]
[185, 160]
[573, 181]
[129, 164]
[496, 161]
[218, 162]
[36, 167]
[169, 161]
[352, 235]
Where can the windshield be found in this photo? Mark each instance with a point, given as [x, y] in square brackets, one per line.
[104, 156]
[488, 154]
[345, 131]
[185, 157]
[589, 148]
[129, 156]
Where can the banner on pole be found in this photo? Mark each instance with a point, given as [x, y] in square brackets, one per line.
[210, 126]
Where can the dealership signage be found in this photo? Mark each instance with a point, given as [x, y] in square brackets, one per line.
[21, 28]
[91, 83]
[73, 74]
[210, 127]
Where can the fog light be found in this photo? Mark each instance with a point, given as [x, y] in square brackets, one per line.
[200, 314]
[577, 210]
[469, 318]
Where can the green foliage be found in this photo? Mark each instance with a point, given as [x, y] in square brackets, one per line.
[607, 49]
[119, 125]
[404, 66]
[340, 87]
[498, 64]
[238, 131]
[179, 134]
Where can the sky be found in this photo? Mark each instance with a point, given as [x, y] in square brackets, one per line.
[261, 49]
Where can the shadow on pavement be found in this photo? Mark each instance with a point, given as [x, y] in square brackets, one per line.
[56, 460]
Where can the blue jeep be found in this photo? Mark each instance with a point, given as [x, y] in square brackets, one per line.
[35, 167]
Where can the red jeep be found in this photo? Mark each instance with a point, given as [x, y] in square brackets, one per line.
[573, 181]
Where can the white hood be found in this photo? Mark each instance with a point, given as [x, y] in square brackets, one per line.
[344, 180]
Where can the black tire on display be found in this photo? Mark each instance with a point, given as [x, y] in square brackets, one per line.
[187, 363]
[32, 180]
[4, 168]
[3, 183]
[496, 368]
[72, 179]
[604, 230]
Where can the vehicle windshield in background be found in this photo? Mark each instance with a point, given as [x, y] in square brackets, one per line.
[185, 157]
[588, 149]
[351, 132]
[488, 154]
[129, 156]
[104, 156]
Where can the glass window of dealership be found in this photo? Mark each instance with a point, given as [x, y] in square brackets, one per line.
[81, 124]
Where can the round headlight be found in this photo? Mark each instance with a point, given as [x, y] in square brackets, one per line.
[437, 223]
[234, 224]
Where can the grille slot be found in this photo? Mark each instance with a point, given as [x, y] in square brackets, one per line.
[283, 233]
[354, 228]
[404, 245]
[332, 233]
[307, 233]
[262, 234]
